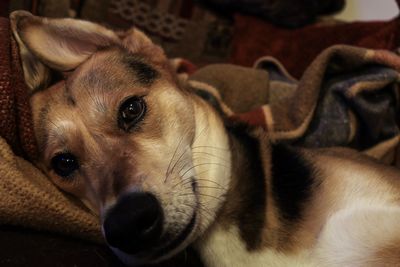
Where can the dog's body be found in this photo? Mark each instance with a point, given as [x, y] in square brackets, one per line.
[324, 208]
[163, 169]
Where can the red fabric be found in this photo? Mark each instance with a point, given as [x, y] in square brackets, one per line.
[16, 125]
[297, 48]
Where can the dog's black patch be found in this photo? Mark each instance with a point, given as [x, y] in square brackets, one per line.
[211, 99]
[71, 101]
[52, 77]
[292, 181]
[250, 190]
[145, 73]
[41, 129]
[67, 94]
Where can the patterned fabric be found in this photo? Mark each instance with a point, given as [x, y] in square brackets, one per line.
[142, 15]
[346, 97]
[182, 27]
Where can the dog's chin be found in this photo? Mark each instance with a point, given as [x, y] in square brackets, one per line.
[162, 252]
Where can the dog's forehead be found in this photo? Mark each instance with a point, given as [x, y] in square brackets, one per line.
[113, 69]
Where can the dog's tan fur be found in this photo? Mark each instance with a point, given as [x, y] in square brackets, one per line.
[349, 215]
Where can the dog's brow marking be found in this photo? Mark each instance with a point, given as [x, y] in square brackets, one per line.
[71, 101]
[42, 126]
[144, 72]
[67, 93]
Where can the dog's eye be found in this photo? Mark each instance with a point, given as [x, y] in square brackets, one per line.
[64, 164]
[130, 112]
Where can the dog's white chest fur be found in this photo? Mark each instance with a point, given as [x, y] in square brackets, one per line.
[222, 247]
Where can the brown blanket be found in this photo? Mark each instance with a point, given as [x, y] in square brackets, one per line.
[290, 110]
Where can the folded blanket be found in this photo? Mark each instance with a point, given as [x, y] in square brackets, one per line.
[346, 97]
[29, 199]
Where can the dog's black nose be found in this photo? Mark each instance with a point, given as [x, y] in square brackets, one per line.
[134, 223]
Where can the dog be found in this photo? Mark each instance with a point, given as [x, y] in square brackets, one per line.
[164, 169]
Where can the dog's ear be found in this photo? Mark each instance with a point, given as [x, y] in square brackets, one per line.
[137, 42]
[59, 44]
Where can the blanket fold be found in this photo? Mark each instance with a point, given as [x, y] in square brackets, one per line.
[348, 96]
[29, 199]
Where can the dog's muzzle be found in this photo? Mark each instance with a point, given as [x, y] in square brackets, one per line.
[135, 223]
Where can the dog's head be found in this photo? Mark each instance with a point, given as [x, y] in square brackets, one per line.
[121, 135]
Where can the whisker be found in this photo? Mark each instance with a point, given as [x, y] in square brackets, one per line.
[203, 164]
[183, 182]
[180, 182]
[209, 154]
[168, 172]
[201, 132]
[202, 186]
[210, 187]
[204, 195]
[172, 158]
[213, 147]
[184, 185]
[178, 160]
[183, 178]
[200, 206]
[186, 179]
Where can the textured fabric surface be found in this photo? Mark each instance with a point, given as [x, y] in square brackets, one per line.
[242, 92]
[29, 199]
[346, 97]
[183, 28]
[297, 48]
[15, 117]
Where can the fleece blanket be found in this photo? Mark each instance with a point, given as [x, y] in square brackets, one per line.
[347, 96]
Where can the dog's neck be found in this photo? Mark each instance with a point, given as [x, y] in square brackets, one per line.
[211, 160]
[245, 205]
[243, 210]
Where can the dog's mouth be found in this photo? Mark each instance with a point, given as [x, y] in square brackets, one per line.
[175, 242]
[179, 240]
[167, 245]
[162, 252]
